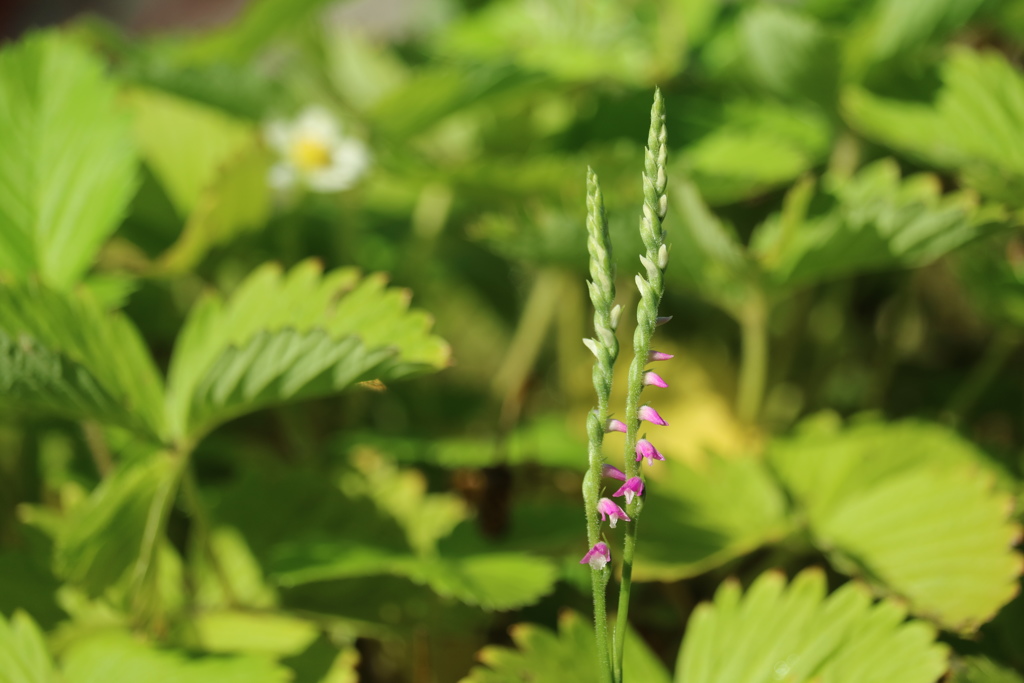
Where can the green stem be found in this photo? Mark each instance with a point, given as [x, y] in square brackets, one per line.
[625, 586]
[753, 361]
[996, 354]
[534, 324]
[201, 529]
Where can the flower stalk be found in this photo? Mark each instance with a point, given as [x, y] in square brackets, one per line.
[605, 349]
[651, 285]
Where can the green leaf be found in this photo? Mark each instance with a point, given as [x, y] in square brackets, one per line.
[975, 127]
[789, 53]
[23, 654]
[232, 631]
[570, 656]
[236, 200]
[595, 41]
[757, 147]
[982, 670]
[211, 165]
[283, 337]
[402, 495]
[910, 507]
[236, 567]
[707, 256]
[185, 143]
[241, 40]
[697, 518]
[872, 221]
[797, 633]
[67, 171]
[493, 581]
[118, 527]
[119, 656]
[991, 275]
[61, 353]
[892, 27]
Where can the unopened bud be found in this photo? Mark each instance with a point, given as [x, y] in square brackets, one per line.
[663, 257]
[616, 313]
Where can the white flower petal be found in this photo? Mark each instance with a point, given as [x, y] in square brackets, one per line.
[349, 161]
[316, 123]
[282, 176]
[278, 135]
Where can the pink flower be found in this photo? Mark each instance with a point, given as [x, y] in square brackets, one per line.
[610, 511]
[646, 449]
[613, 472]
[615, 426]
[653, 379]
[633, 487]
[598, 556]
[651, 415]
[653, 355]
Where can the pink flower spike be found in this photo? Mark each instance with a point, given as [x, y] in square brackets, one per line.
[653, 355]
[612, 512]
[661, 320]
[651, 415]
[653, 379]
[633, 487]
[614, 472]
[598, 556]
[615, 426]
[646, 449]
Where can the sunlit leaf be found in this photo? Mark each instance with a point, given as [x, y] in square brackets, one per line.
[283, 337]
[118, 527]
[798, 633]
[211, 166]
[598, 40]
[60, 353]
[241, 40]
[757, 147]
[975, 127]
[240, 632]
[569, 656]
[495, 581]
[67, 171]
[697, 518]
[911, 508]
[707, 255]
[982, 670]
[789, 53]
[892, 27]
[23, 654]
[116, 656]
[872, 221]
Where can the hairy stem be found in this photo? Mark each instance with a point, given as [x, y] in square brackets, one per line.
[651, 285]
[605, 347]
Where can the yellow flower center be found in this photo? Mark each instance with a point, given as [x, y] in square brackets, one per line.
[309, 155]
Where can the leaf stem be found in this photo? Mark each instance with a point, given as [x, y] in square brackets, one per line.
[754, 359]
[998, 351]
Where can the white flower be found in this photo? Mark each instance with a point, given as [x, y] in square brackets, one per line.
[314, 153]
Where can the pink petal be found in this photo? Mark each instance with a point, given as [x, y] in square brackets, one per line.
[653, 379]
[651, 415]
[614, 472]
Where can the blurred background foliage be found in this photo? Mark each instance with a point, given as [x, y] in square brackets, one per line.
[231, 450]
